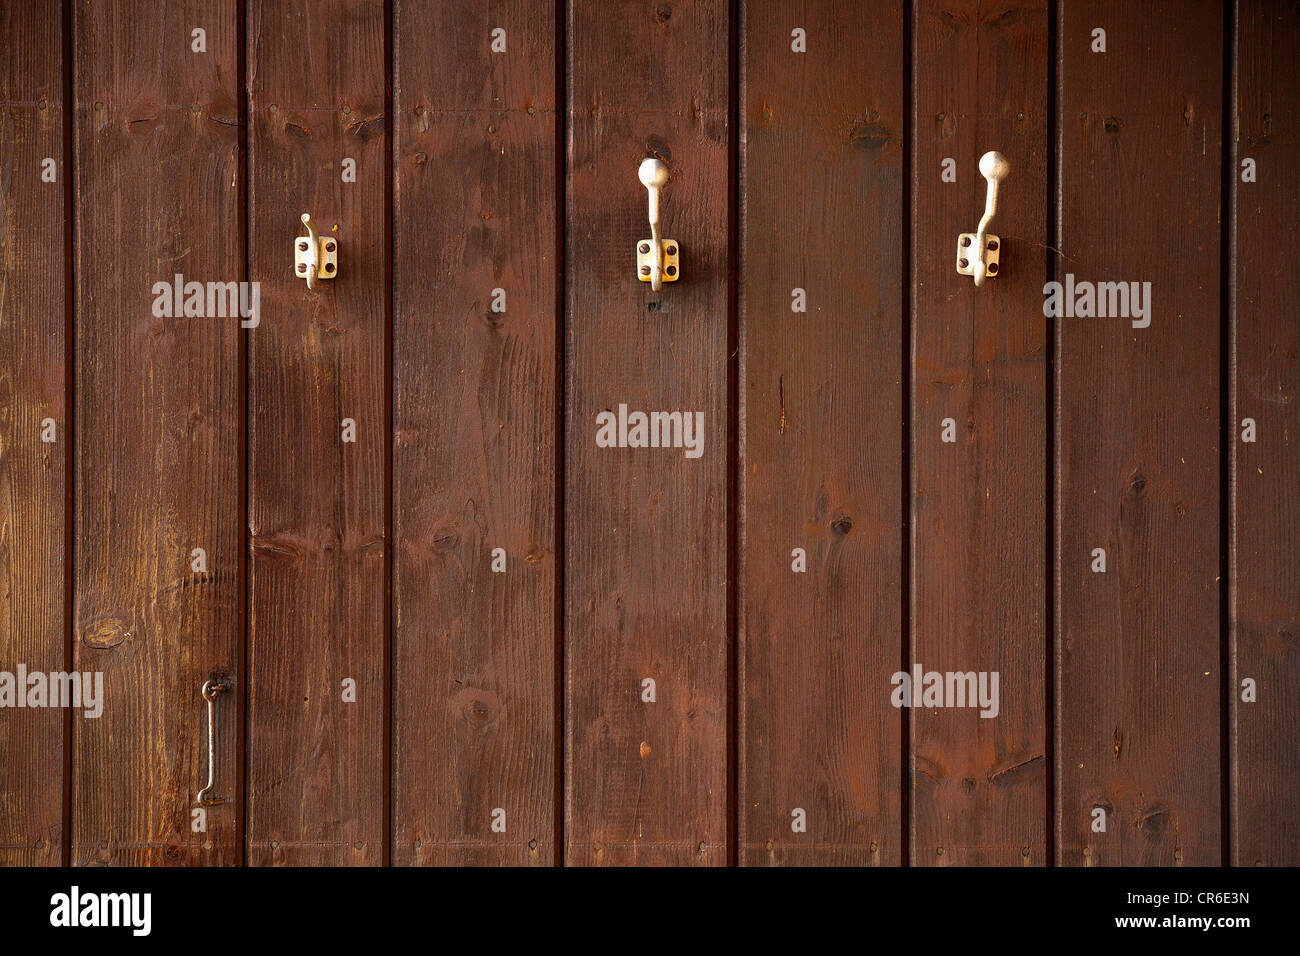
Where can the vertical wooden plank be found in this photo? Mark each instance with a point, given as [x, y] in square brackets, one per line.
[474, 424]
[979, 498]
[317, 503]
[158, 426]
[646, 528]
[1137, 457]
[820, 445]
[33, 456]
[1265, 573]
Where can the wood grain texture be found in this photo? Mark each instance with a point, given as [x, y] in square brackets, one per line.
[317, 505]
[820, 444]
[1137, 457]
[979, 504]
[474, 421]
[157, 427]
[33, 472]
[646, 528]
[163, 422]
[1265, 571]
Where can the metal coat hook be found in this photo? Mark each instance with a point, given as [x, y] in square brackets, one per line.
[315, 256]
[211, 688]
[656, 257]
[977, 253]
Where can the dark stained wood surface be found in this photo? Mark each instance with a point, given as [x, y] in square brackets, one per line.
[475, 430]
[522, 691]
[33, 472]
[1265, 575]
[158, 427]
[1138, 676]
[979, 504]
[317, 505]
[646, 528]
[820, 444]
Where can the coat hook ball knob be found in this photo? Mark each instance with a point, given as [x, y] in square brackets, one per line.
[653, 173]
[994, 166]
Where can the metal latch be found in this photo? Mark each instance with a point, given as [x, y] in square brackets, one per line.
[211, 688]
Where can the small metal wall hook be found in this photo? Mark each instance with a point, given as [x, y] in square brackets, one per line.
[656, 257]
[978, 253]
[315, 256]
[211, 688]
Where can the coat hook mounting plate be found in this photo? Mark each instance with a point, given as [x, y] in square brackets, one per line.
[645, 260]
[967, 254]
[315, 256]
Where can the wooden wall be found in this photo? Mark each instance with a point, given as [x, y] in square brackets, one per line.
[454, 628]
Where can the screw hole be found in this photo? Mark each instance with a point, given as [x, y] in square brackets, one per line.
[302, 267]
[993, 244]
[671, 270]
[671, 250]
[993, 268]
[329, 267]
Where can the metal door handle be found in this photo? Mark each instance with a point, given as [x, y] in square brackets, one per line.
[656, 257]
[978, 253]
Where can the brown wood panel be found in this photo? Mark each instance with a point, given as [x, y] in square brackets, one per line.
[158, 426]
[474, 425]
[821, 162]
[1265, 573]
[1137, 451]
[979, 502]
[318, 599]
[33, 456]
[646, 528]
